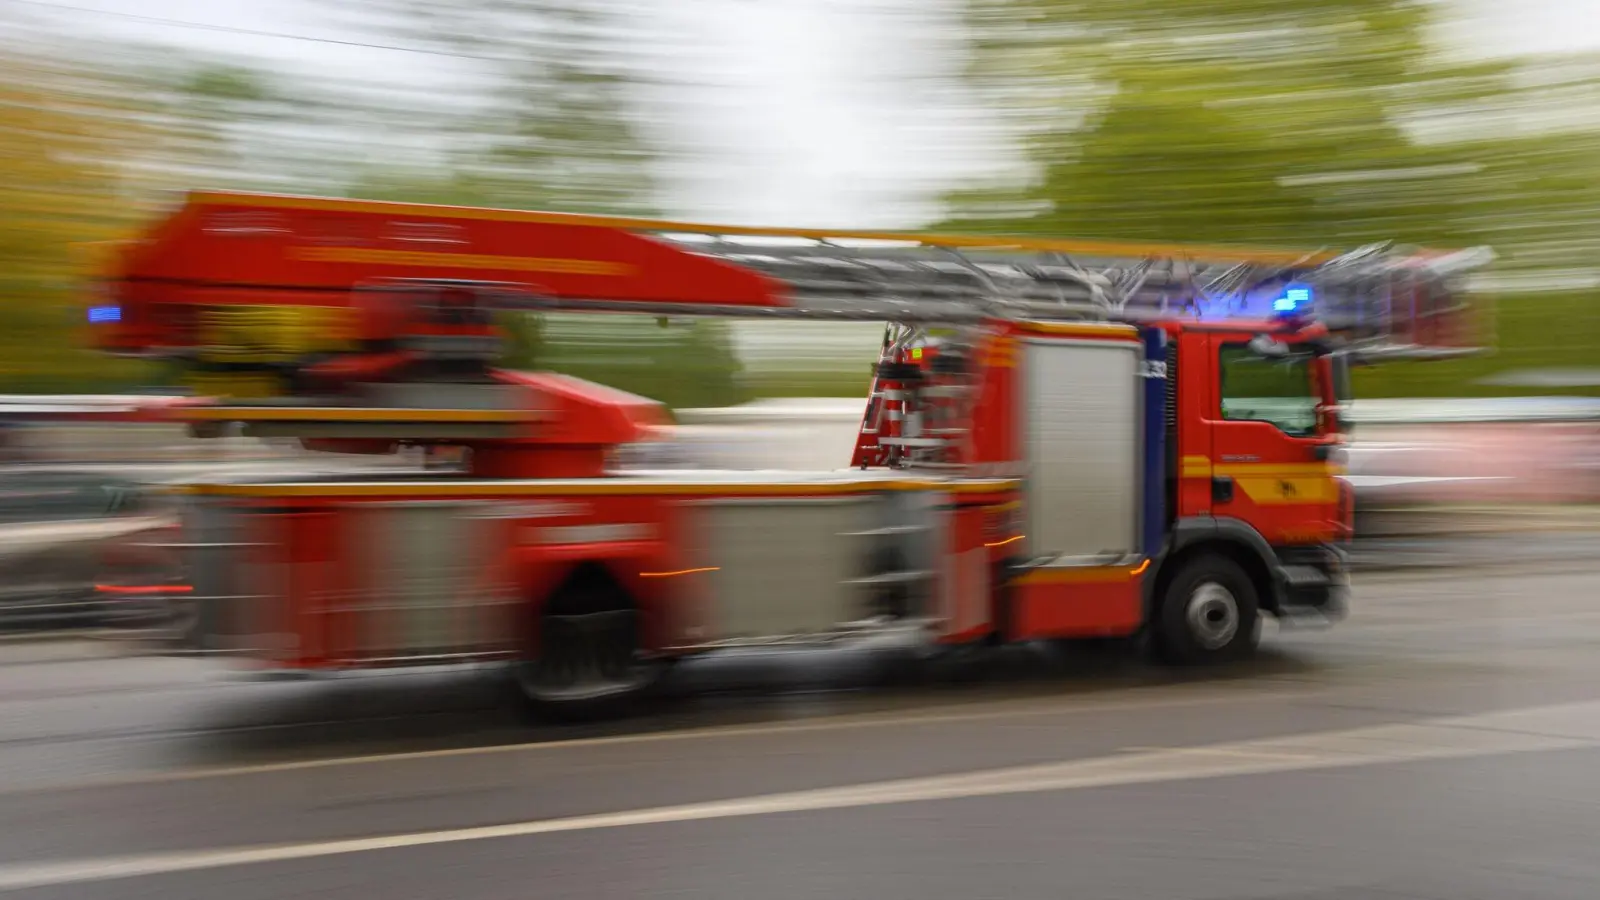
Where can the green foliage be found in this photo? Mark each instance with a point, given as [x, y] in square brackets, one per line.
[557, 131]
[681, 364]
[1297, 123]
[1554, 330]
[1219, 121]
[60, 148]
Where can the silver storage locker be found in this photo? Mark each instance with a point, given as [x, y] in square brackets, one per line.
[1081, 416]
[782, 565]
[424, 571]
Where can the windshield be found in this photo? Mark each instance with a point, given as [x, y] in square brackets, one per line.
[1259, 389]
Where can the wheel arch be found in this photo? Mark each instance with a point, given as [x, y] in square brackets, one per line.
[1229, 539]
[579, 589]
[581, 582]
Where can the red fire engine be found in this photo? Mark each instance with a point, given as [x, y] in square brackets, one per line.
[1063, 440]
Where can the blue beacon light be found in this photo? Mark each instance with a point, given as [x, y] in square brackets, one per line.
[1292, 300]
[100, 314]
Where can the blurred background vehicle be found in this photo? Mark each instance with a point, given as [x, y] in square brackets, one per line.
[56, 524]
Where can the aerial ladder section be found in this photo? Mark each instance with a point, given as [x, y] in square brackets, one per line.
[333, 311]
[349, 259]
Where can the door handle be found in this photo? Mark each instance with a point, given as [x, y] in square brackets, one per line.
[1221, 489]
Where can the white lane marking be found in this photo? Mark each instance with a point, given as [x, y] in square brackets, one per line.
[1220, 751]
[1153, 697]
[1574, 726]
[1377, 624]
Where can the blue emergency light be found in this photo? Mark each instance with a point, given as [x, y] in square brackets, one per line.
[102, 314]
[1292, 300]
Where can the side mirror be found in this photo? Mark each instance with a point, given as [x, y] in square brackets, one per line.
[1333, 418]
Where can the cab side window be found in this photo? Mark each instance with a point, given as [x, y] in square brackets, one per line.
[1255, 388]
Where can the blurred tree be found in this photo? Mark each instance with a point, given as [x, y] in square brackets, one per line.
[1255, 121]
[216, 123]
[63, 139]
[1537, 196]
[557, 129]
[1302, 123]
[92, 137]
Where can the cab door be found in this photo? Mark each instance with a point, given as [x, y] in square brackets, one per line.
[1265, 433]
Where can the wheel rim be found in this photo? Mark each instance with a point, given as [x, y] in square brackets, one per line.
[1213, 615]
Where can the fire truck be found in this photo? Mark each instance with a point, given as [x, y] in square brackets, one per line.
[1063, 440]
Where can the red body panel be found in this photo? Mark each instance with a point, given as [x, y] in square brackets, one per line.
[996, 435]
[1095, 602]
[315, 554]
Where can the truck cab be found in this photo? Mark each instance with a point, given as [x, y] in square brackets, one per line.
[1256, 447]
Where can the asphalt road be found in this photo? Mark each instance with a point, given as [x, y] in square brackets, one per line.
[1443, 744]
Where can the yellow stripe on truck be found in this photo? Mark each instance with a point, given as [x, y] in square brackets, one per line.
[1280, 491]
[1272, 484]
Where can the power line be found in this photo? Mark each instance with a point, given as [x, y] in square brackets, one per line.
[252, 32]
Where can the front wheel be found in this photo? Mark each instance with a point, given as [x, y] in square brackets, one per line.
[1208, 613]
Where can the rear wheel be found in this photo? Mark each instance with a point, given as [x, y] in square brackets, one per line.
[1208, 613]
[588, 661]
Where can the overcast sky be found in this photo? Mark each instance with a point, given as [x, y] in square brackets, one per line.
[805, 139]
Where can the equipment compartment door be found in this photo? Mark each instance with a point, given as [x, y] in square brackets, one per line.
[1083, 415]
[1264, 468]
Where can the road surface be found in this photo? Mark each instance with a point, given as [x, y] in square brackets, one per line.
[1443, 744]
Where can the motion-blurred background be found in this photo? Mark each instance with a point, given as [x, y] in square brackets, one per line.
[1300, 123]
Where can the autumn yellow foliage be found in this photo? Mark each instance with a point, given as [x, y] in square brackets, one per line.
[66, 184]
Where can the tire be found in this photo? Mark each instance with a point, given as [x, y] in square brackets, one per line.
[588, 664]
[1209, 613]
[609, 685]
